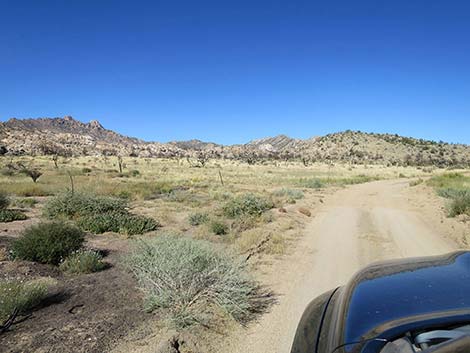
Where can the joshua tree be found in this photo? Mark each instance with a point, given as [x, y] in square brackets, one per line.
[202, 158]
[34, 174]
[120, 164]
[305, 160]
[55, 158]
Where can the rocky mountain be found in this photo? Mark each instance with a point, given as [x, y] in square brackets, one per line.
[70, 137]
[275, 144]
[194, 145]
[67, 136]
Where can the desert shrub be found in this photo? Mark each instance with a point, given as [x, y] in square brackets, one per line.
[448, 180]
[48, 243]
[190, 278]
[7, 215]
[98, 214]
[73, 205]
[460, 205]
[198, 218]
[21, 296]
[25, 202]
[118, 222]
[86, 170]
[218, 227]
[83, 261]
[312, 183]
[4, 200]
[290, 195]
[451, 193]
[11, 215]
[246, 205]
[134, 172]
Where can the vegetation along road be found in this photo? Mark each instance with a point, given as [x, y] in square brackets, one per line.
[354, 227]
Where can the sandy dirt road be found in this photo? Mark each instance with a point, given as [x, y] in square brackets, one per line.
[356, 226]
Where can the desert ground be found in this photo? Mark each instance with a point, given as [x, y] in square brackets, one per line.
[318, 225]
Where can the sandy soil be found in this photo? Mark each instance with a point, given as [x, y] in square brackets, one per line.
[354, 227]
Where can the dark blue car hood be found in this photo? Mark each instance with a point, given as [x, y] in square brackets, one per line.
[388, 293]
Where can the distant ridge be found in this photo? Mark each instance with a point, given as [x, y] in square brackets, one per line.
[70, 137]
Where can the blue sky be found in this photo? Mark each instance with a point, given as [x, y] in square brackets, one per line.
[231, 71]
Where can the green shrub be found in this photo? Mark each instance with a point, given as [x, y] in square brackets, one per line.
[21, 296]
[190, 278]
[450, 193]
[118, 222]
[25, 202]
[198, 218]
[83, 261]
[312, 183]
[4, 200]
[48, 243]
[68, 205]
[86, 170]
[11, 215]
[245, 205]
[218, 227]
[448, 180]
[98, 214]
[134, 172]
[290, 195]
[460, 205]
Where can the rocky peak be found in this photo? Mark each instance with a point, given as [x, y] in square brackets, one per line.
[95, 124]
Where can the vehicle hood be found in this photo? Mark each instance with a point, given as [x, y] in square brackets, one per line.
[389, 293]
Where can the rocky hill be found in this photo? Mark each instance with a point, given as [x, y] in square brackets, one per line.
[278, 143]
[70, 137]
[67, 136]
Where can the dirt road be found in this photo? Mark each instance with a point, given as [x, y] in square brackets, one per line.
[355, 226]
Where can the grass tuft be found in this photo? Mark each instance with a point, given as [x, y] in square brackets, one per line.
[83, 261]
[11, 215]
[21, 296]
[190, 277]
[218, 227]
[198, 218]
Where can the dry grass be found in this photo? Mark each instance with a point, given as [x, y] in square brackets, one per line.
[171, 191]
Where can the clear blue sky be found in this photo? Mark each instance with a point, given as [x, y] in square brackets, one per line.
[230, 71]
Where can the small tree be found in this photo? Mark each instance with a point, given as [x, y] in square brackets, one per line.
[120, 164]
[34, 174]
[55, 158]
[202, 158]
[305, 161]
